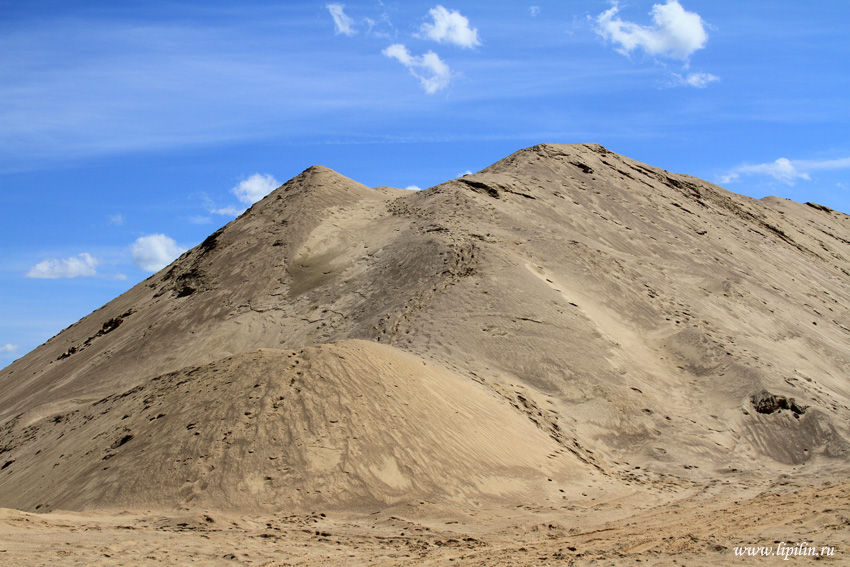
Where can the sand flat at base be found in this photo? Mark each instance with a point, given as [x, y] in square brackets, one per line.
[701, 528]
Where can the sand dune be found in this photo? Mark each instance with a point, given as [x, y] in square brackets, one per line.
[350, 425]
[568, 337]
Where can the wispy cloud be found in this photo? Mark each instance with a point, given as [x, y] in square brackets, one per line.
[342, 23]
[81, 265]
[698, 80]
[450, 26]
[534, 11]
[380, 28]
[115, 86]
[785, 170]
[433, 74]
[9, 348]
[841, 163]
[228, 211]
[781, 170]
[153, 252]
[116, 220]
[675, 32]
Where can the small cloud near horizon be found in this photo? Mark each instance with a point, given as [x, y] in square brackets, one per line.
[81, 265]
[248, 192]
[9, 348]
[251, 190]
[231, 211]
[785, 170]
[153, 252]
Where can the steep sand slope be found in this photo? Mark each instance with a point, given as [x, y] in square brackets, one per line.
[202, 307]
[654, 311]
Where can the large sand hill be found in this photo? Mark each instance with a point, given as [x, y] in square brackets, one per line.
[568, 357]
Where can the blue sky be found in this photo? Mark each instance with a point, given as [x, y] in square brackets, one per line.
[129, 131]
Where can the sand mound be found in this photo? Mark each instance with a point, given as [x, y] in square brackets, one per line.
[353, 424]
[567, 336]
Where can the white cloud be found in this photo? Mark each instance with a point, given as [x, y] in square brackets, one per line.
[9, 348]
[116, 220]
[781, 170]
[842, 163]
[534, 11]
[450, 27]
[230, 211]
[381, 28]
[675, 32]
[730, 177]
[251, 190]
[785, 170]
[413, 188]
[153, 252]
[698, 80]
[432, 72]
[83, 264]
[342, 23]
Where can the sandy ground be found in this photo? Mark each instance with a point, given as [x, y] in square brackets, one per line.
[703, 528]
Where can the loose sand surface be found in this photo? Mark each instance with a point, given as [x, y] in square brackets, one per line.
[703, 528]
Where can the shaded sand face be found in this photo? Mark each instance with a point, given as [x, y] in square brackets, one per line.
[569, 355]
